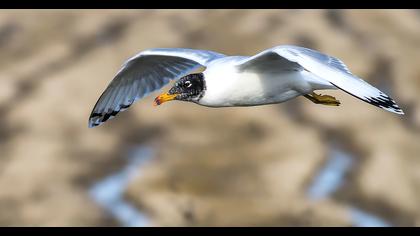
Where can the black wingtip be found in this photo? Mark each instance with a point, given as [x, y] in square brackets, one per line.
[97, 119]
[385, 102]
[94, 120]
[91, 124]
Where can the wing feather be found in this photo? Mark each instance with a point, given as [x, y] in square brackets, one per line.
[144, 73]
[325, 67]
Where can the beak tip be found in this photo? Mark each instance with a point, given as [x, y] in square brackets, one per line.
[156, 102]
[163, 98]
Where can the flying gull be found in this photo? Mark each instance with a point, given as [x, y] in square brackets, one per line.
[272, 76]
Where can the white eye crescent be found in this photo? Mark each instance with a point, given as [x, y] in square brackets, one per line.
[188, 83]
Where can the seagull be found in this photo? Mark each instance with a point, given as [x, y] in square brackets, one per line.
[272, 76]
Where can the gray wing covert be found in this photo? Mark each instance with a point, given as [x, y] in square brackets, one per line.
[329, 60]
[144, 73]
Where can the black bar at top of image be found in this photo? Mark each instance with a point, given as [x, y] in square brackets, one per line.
[206, 4]
[202, 231]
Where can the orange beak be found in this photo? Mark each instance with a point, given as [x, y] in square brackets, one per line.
[165, 97]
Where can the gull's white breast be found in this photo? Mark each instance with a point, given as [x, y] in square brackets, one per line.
[227, 86]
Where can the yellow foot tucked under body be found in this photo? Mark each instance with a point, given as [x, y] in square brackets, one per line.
[322, 99]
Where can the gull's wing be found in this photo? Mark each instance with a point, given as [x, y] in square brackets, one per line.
[323, 66]
[144, 73]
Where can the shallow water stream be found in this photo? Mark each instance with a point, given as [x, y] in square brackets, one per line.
[330, 179]
[109, 192]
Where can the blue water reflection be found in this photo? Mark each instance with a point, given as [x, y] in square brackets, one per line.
[109, 192]
[331, 177]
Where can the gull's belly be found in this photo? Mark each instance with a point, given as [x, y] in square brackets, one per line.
[250, 89]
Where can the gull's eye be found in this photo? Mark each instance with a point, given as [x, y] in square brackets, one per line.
[188, 84]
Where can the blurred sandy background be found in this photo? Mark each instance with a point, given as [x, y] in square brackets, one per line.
[213, 167]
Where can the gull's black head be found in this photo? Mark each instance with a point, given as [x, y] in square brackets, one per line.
[188, 88]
